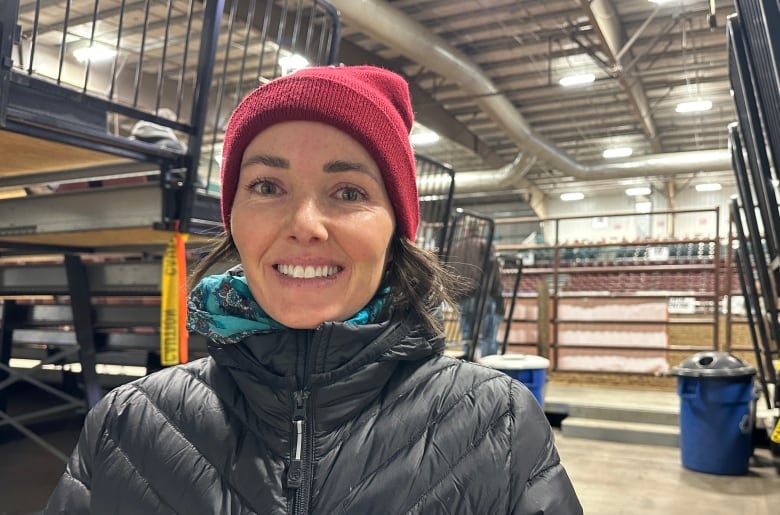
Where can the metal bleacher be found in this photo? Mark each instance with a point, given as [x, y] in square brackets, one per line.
[436, 186]
[103, 162]
[467, 251]
[753, 36]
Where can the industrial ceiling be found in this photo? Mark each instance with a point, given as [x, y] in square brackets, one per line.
[486, 75]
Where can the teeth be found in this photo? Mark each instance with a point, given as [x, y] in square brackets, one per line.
[307, 272]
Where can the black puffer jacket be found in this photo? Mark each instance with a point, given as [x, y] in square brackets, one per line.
[345, 419]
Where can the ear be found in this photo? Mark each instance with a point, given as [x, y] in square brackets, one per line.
[389, 255]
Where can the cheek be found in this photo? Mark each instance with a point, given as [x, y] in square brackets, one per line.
[374, 246]
[250, 235]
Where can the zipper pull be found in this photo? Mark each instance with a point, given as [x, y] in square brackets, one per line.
[295, 472]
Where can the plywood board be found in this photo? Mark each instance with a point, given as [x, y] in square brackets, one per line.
[26, 155]
[124, 237]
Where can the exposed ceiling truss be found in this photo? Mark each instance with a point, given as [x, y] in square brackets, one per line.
[486, 73]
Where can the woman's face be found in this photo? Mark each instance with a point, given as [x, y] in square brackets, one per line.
[312, 223]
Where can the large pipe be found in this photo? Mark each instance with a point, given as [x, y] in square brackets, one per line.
[393, 28]
[506, 177]
[607, 24]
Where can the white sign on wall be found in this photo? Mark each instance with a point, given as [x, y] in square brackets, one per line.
[682, 305]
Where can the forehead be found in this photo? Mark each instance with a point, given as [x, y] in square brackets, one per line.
[291, 143]
[298, 131]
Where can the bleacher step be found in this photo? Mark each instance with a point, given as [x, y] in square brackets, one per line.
[621, 431]
[668, 416]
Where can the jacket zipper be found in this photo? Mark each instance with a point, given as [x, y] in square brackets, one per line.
[299, 475]
[295, 472]
[299, 471]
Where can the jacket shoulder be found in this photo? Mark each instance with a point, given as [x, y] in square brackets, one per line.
[537, 481]
[493, 385]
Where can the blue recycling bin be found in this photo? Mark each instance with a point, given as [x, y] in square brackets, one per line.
[529, 370]
[717, 392]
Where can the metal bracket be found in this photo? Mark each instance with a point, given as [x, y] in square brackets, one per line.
[172, 184]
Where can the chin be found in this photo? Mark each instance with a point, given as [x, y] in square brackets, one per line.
[310, 317]
[307, 323]
[302, 325]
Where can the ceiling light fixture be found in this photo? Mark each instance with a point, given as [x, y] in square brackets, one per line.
[694, 106]
[710, 186]
[424, 137]
[94, 53]
[643, 207]
[292, 63]
[611, 153]
[638, 191]
[577, 80]
[574, 195]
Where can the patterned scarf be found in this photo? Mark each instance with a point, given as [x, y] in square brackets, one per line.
[222, 308]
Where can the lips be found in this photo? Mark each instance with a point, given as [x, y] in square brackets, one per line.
[307, 272]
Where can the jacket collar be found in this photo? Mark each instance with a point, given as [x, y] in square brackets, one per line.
[301, 359]
[343, 366]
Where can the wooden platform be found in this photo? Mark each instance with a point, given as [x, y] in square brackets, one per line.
[125, 213]
[28, 156]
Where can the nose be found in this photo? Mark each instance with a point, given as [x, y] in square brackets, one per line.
[307, 222]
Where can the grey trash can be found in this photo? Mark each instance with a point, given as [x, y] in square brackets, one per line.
[717, 393]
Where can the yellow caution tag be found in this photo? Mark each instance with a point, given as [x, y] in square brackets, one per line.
[173, 303]
[776, 433]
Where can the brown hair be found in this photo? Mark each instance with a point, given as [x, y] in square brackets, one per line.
[418, 282]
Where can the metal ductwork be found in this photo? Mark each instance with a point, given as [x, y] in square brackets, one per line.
[506, 177]
[393, 28]
[605, 22]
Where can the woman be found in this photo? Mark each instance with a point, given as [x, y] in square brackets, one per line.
[326, 390]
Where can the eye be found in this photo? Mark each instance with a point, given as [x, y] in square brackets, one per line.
[264, 187]
[351, 194]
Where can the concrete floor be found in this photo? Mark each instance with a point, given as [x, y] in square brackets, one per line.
[616, 478]
[610, 478]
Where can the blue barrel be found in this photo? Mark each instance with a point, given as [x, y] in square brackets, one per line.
[717, 393]
[529, 370]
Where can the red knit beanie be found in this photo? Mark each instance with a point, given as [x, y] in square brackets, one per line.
[371, 105]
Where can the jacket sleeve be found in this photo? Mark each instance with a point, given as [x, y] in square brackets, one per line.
[539, 485]
[73, 491]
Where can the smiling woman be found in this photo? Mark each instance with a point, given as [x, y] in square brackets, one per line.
[312, 224]
[326, 390]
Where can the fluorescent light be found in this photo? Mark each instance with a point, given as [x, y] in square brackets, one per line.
[575, 195]
[635, 192]
[292, 63]
[424, 137]
[94, 53]
[577, 80]
[694, 106]
[611, 153]
[710, 186]
[643, 207]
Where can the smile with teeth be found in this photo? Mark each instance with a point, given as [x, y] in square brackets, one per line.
[307, 272]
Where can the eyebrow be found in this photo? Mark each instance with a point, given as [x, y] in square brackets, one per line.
[330, 167]
[349, 166]
[264, 159]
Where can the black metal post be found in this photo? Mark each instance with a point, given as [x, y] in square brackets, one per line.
[83, 323]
